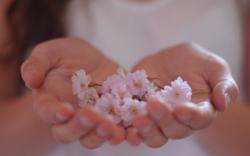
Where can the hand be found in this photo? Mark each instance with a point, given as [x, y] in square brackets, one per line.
[47, 72]
[213, 90]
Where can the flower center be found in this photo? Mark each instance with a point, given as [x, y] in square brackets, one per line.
[133, 110]
[83, 85]
[111, 111]
[177, 94]
[138, 84]
[122, 94]
[91, 100]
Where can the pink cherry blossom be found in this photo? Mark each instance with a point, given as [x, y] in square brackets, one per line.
[138, 83]
[112, 82]
[121, 91]
[80, 81]
[178, 92]
[124, 95]
[130, 109]
[88, 97]
[109, 106]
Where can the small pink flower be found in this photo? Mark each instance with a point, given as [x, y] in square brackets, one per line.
[80, 81]
[123, 96]
[108, 106]
[88, 97]
[138, 83]
[121, 91]
[178, 92]
[130, 109]
[112, 82]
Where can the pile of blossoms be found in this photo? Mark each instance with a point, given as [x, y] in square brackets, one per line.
[123, 96]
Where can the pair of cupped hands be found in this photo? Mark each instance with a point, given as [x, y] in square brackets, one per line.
[48, 70]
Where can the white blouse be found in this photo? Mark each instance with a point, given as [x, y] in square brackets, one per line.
[127, 30]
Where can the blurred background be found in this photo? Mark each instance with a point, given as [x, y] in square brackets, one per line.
[125, 30]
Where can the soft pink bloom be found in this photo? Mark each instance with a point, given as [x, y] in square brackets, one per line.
[178, 92]
[121, 91]
[138, 83]
[130, 109]
[88, 97]
[124, 96]
[80, 81]
[112, 82]
[109, 106]
[116, 84]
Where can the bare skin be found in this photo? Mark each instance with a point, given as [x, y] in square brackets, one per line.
[15, 109]
[22, 132]
[48, 73]
[33, 129]
[213, 90]
[229, 134]
[208, 75]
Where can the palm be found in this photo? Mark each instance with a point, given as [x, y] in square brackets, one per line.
[48, 71]
[187, 62]
[58, 80]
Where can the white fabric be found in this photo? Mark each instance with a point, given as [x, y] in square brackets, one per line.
[126, 31]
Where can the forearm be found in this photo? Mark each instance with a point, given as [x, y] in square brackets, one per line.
[245, 12]
[230, 134]
[21, 132]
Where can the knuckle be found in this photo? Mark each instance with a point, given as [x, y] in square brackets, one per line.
[49, 49]
[217, 62]
[41, 48]
[188, 47]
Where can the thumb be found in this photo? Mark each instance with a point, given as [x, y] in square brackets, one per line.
[224, 93]
[35, 68]
[224, 88]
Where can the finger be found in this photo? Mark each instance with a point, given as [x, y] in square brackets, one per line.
[224, 93]
[118, 135]
[52, 111]
[97, 137]
[162, 114]
[224, 88]
[83, 122]
[35, 68]
[132, 136]
[196, 116]
[92, 141]
[149, 133]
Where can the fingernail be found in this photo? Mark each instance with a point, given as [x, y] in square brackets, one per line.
[228, 99]
[86, 122]
[186, 118]
[103, 132]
